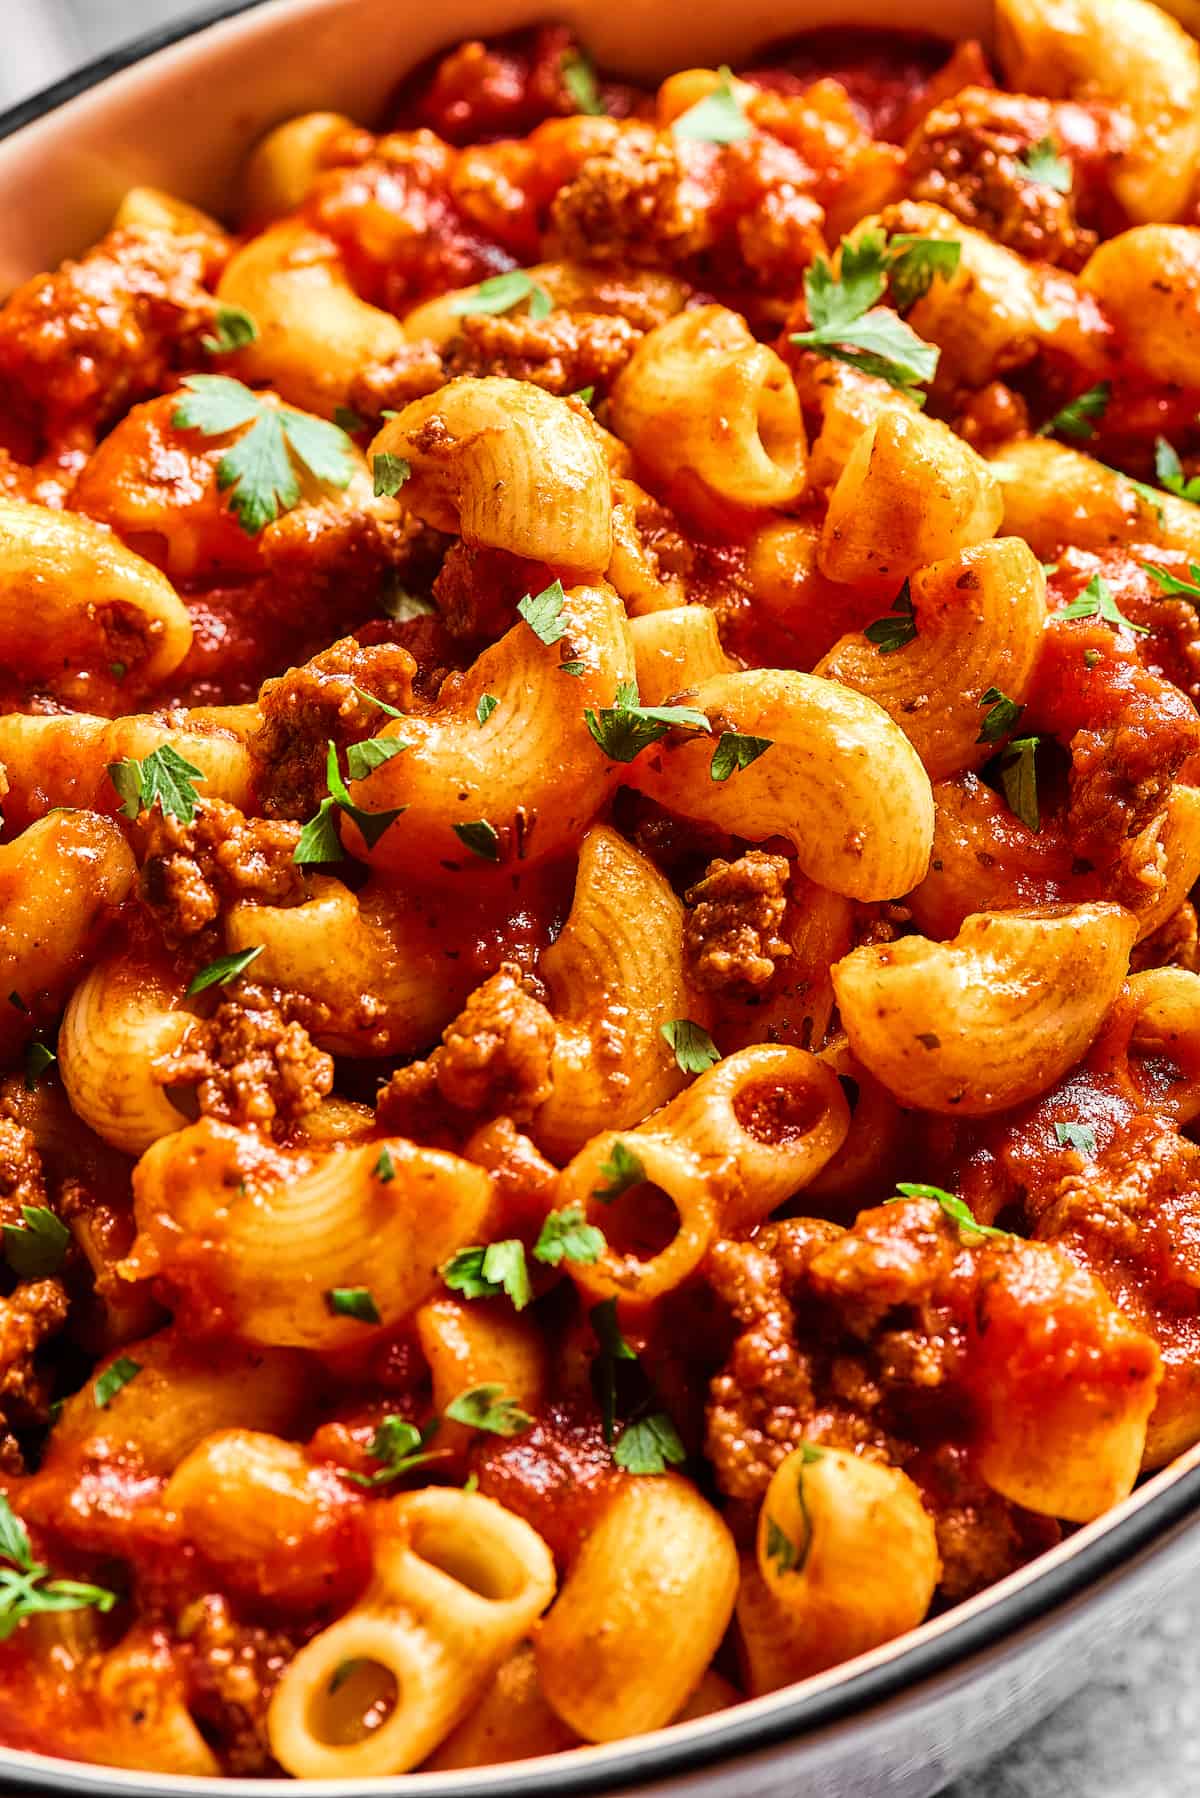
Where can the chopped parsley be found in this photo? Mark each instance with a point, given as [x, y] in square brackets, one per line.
[542, 612]
[39, 1056]
[224, 969]
[1169, 470]
[1079, 417]
[1175, 583]
[613, 1348]
[649, 1445]
[951, 1206]
[790, 1556]
[621, 1170]
[1001, 718]
[484, 1408]
[627, 727]
[348, 420]
[259, 471]
[353, 1301]
[37, 1246]
[390, 473]
[484, 1272]
[579, 79]
[26, 1588]
[399, 1446]
[391, 710]
[1043, 164]
[164, 778]
[917, 262]
[500, 293]
[113, 1379]
[233, 328]
[385, 1168]
[890, 634]
[566, 1235]
[487, 705]
[1077, 1136]
[319, 840]
[717, 119]
[840, 307]
[694, 1048]
[1018, 777]
[1097, 601]
[363, 758]
[585, 395]
[735, 752]
[481, 838]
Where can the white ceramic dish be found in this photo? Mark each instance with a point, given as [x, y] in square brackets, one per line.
[179, 109]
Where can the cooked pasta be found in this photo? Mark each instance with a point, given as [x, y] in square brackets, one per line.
[598, 892]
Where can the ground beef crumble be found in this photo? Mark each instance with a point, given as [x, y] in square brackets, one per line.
[249, 1065]
[191, 870]
[734, 917]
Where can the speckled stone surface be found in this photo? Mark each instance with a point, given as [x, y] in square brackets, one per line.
[1135, 1733]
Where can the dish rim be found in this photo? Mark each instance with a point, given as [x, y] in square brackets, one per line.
[1056, 1578]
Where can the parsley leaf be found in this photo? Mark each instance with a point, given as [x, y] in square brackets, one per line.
[38, 1057]
[585, 395]
[566, 1235]
[613, 1348]
[734, 750]
[1169, 470]
[780, 1548]
[348, 420]
[921, 261]
[1043, 164]
[483, 1408]
[37, 1246]
[1097, 601]
[258, 470]
[484, 1272]
[1078, 418]
[840, 308]
[165, 778]
[30, 1591]
[363, 758]
[717, 119]
[113, 1378]
[224, 969]
[694, 1048]
[353, 1301]
[1018, 777]
[579, 79]
[649, 1445]
[487, 705]
[385, 1168]
[1001, 718]
[500, 293]
[319, 840]
[233, 329]
[542, 612]
[390, 473]
[626, 727]
[1077, 1136]
[1175, 583]
[481, 838]
[400, 1446]
[890, 634]
[952, 1207]
[391, 710]
[621, 1170]
[371, 824]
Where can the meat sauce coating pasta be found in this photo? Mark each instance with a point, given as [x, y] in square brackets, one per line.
[602, 806]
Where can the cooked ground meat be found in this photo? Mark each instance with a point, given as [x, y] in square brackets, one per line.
[388, 386]
[846, 1337]
[329, 697]
[249, 1065]
[478, 591]
[635, 203]
[732, 929]
[21, 1181]
[969, 155]
[561, 352]
[189, 871]
[28, 1316]
[493, 1060]
[230, 1671]
[502, 88]
[79, 346]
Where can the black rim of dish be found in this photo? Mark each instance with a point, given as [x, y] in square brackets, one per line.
[859, 1692]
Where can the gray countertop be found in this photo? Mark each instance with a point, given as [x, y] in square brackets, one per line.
[1133, 1734]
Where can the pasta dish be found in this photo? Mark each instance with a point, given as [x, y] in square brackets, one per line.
[600, 985]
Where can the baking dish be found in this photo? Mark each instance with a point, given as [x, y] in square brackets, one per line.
[178, 110]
